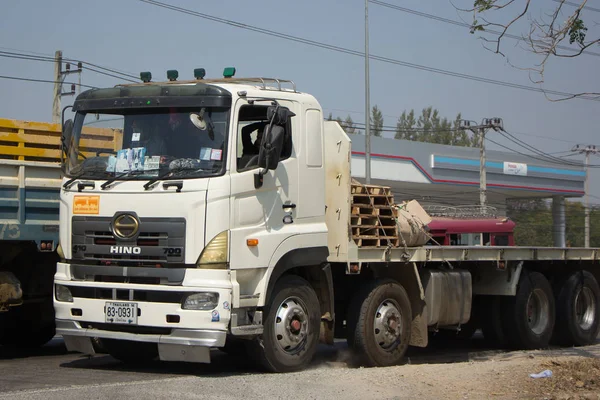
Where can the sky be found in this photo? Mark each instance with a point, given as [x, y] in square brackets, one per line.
[132, 36]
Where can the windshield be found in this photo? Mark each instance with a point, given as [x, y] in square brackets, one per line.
[142, 144]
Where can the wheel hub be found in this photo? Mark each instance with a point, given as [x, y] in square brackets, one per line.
[388, 325]
[538, 311]
[585, 308]
[291, 325]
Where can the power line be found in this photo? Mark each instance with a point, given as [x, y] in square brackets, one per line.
[396, 117]
[43, 81]
[362, 55]
[570, 3]
[535, 150]
[465, 25]
[110, 71]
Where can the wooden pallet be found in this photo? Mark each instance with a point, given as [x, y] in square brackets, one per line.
[374, 230]
[372, 217]
[373, 200]
[357, 188]
[366, 241]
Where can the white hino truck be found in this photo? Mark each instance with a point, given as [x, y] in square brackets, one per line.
[228, 218]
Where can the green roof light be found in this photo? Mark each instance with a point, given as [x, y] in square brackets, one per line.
[228, 72]
[145, 76]
[172, 74]
[199, 73]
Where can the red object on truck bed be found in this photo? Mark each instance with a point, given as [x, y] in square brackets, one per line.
[471, 232]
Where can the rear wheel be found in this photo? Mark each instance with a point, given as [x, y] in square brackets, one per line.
[379, 324]
[291, 327]
[128, 352]
[578, 310]
[529, 316]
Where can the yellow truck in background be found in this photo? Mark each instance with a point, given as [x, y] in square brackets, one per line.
[30, 179]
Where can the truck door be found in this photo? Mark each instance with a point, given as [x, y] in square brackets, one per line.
[259, 213]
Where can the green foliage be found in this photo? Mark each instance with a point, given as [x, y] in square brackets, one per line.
[577, 32]
[430, 127]
[533, 219]
[376, 121]
[348, 126]
[483, 5]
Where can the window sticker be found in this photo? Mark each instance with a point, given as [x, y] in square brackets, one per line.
[205, 153]
[135, 137]
[127, 160]
[152, 164]
[216, 154]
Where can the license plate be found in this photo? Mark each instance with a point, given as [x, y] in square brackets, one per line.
[121, 313]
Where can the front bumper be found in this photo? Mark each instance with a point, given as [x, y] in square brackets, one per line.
[180, 334]
[179, 345]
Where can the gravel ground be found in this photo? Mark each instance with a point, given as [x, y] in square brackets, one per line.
[456, 372]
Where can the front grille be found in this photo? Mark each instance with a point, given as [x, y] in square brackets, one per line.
[150, 296]
[125, 274]
[159, 241]
[144, 239]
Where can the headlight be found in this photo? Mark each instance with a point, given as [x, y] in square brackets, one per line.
[201, 301]
[215, 254]
[63, 293]
[60, 252]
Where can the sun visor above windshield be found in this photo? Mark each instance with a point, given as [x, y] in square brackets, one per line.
[152, 96]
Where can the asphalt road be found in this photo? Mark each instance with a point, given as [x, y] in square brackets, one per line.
[51, 372]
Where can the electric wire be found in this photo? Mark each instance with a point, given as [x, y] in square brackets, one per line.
[17, 78]
[362, 55]
[465, 25]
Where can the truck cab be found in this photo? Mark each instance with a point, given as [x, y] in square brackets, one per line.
[146, 230]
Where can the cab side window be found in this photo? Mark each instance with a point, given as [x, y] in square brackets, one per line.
[252, 123]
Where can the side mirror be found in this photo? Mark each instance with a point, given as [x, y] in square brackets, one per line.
[270, 149]
[67, 134]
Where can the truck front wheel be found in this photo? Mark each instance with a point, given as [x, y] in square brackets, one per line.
[529, 315]
[578, 310]
[379, 324]
[291, 327]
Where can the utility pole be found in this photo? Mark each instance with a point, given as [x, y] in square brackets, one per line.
[479, 131]
[57, 86]
[367, 100]
[587, 150]
[59, 78]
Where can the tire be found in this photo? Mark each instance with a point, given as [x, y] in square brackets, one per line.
[379, 305]
[129, 352]
[529, 316]
[492, 327]
[578, 310]
[288, 346]
[28, 326]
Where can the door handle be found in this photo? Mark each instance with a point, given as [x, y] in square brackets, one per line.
[286, 206]
[178, 185]
[83, 185]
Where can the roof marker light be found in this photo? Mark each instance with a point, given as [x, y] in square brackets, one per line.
[228, 72]
[199, 73]
[172, 74]
[145, 77]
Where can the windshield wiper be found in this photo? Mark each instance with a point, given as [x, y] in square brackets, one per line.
[171, 172]
[129, 174]
[91, 171]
